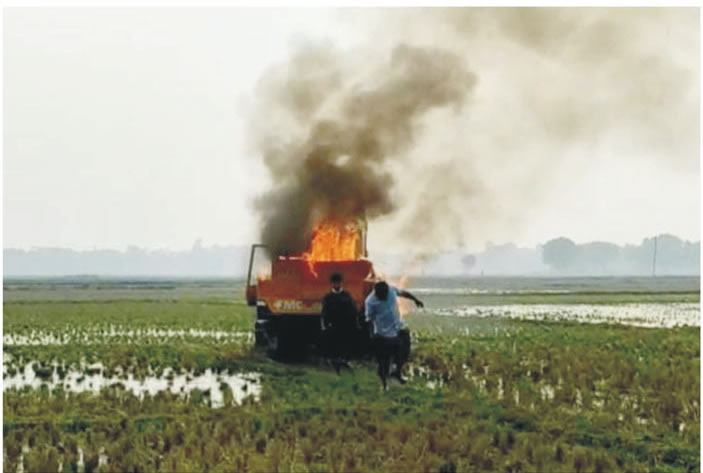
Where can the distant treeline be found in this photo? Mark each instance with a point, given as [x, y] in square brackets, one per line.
[662, 255]
[559, 256]
[198, 261]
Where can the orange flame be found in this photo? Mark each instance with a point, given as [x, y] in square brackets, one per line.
[405, 306]
[334, 241]
[263, 274]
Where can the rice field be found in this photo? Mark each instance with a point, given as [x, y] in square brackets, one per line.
[505, 375]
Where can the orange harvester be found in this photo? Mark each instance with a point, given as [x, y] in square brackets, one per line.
[289, 300]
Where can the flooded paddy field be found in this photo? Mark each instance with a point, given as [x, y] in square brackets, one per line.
[643, 315]
[113, 375]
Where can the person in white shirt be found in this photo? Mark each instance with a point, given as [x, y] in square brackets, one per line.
[381, 310]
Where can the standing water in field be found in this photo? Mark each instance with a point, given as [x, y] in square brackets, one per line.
[641, 315]
[92, 378]
[108, 333]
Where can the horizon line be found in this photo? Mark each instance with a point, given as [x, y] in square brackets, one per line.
[196, 245]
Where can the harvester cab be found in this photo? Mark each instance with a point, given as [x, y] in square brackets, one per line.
[288, 292]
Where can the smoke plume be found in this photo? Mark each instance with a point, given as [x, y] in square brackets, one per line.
[455, 125]
[336, 167]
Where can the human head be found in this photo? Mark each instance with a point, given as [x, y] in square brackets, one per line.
[336, 280]
[381, 290]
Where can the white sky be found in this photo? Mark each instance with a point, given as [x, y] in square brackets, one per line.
[126, 127]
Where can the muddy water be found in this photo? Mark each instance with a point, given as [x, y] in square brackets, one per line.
[107, 334]
[641, 315]
[464, 291]
[91, 378]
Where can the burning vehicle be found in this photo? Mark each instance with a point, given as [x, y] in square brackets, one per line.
[333, 138]
[288, 299]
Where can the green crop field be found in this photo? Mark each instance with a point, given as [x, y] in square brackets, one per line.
[109, 375]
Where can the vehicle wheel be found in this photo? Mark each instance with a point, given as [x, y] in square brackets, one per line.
[275, 348]
[259, 338]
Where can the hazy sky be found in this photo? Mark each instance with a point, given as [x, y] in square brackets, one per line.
[129, 127]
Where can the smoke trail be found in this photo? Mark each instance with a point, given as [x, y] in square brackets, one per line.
[347, 130]
[561, 90]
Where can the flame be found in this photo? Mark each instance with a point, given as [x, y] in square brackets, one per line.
[263, 274]
[405, 306]
[334, 241]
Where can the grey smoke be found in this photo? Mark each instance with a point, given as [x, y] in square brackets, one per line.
[471, 116]
[336, 167]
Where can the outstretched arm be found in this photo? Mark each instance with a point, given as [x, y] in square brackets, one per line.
[408, 295]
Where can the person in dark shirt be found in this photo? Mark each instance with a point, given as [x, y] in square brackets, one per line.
[339, 323]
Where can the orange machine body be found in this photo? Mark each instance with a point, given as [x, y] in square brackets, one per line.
[288, 298]
[294, 289]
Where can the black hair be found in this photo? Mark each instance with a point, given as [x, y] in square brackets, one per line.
[335, 278]
[381, 290]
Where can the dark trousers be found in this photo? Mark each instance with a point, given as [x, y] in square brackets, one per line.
[396, 349]
[339, 342]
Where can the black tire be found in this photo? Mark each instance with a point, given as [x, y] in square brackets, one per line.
[260, 337]
[287, 337]
[278, 346]
[261, 326]
[274, 345]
